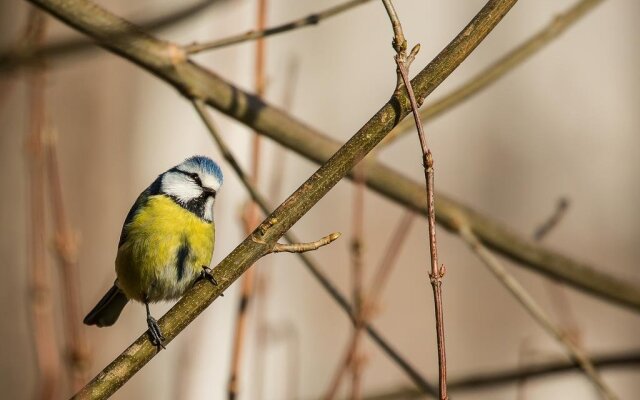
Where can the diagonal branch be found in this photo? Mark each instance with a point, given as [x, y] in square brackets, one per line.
[168, 62]
[312, 19]
[304, 247]
[629, 359]
[532, 307]
[420, 382]
[19, 56]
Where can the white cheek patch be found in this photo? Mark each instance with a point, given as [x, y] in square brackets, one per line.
[208, 209]
[211, 182]
[180, 186]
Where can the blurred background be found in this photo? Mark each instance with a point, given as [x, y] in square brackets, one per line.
[564, 124]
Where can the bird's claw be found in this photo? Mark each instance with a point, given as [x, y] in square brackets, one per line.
[156, 336]
[208, 275]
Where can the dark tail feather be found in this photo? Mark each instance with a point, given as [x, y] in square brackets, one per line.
[108, 309]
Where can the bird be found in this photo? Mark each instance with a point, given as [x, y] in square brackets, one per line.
[166, 243]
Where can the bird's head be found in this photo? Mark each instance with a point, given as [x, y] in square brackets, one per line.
[193, 184]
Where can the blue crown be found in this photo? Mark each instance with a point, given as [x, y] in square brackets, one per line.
[205, 164]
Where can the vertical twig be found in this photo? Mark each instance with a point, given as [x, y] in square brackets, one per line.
[77, 348]
[263, 280]
[403, 61]
[41, 303]
[313, 268]
[251, 216]
[357, 270]
[370, 301]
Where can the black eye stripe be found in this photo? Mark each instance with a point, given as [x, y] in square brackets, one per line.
[196, 178]
[192, 175]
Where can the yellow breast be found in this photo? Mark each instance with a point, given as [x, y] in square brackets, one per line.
[165, 250]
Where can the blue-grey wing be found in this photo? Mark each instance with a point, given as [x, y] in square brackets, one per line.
[140, 202]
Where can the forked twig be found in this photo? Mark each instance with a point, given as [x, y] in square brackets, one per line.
[496, 70]
[412, 373]
[556, 292]
[155, 56]
[99, 23]
[437, 271]
[532, 307]
[370, 302]
[312, 19]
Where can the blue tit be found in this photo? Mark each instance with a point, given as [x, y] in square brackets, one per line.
[166, 242]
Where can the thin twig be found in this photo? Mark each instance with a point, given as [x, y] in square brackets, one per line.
[412, 373]
[370, 301]
[78, 355]
[532, 307]
[93, 19]
[357, 356]
[159, 58]
[490, 380]
[437, 272]
[555, 218]
[42, 318]
[251, 217]
[557, 293]
[263, 280]
[496, 70]
[311, 19]
[304, 247]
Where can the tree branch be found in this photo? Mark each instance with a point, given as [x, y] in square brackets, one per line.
[312, 19]
[629, 359]
[166, 61]
[412, 373]
[304, 247]
[19, 56]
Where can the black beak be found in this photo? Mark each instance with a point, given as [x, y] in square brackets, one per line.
[209, 192]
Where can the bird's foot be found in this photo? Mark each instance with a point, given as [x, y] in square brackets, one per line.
[156, 336]
[207, 274]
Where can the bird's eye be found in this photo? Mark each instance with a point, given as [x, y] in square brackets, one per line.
[196, 178]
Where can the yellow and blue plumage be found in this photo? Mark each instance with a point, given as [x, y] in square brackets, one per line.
[166, 243]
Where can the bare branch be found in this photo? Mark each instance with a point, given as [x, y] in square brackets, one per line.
[437, 272]
[331, 289]
[190, 78]
[553, 221]
[19, 55]
[490, 380]
[532, 307]
[312, 19]
[304, 247]
[78, 355]
[250, 219]
[39, 270]
[369, 304]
